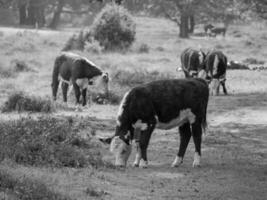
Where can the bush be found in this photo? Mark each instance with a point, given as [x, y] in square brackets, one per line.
[19, 101]
[143, 48]
[114, 28]
[48, 141]
[93, 47]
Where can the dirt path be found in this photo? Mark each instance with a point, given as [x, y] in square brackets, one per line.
[234, 160]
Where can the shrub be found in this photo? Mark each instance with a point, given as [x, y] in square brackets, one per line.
[19, 101]
[114, 28]
[143, 48]
[24, 188]
[48, 141]
[76, 42]
[93, 47]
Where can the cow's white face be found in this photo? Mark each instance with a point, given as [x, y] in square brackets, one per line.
[121, 150]
[101, 82]
[202, 74]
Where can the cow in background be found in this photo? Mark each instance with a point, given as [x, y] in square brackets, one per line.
[78, 72]
[164, 105]
[192, 61]
[215, 71]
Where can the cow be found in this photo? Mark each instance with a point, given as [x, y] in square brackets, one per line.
[215, 71]
[78, 72]
[192, 61]
[208, 27]
[163, 104]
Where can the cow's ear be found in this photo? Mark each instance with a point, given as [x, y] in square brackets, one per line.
[106, 140]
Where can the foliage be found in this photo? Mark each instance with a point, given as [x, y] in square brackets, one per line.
[114, 28]
[19, 101]
[24, 188]
[48, 141]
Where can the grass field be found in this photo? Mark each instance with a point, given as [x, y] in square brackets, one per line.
[55, 155]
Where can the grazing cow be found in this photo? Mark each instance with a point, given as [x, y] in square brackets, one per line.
[163, 104]
[215, 71]
[208, 27]
[192, 62]
[78, 72]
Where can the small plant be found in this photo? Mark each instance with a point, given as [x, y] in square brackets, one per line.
[114, 28]
[19, 101]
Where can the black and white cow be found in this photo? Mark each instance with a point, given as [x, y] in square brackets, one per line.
[208, 27]
[215, 71]
[164, 105]
[78, 72]
[192, 61]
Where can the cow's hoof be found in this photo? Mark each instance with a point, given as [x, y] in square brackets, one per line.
[143, 164]
[135, 165]
[196, 162]
[177, 161]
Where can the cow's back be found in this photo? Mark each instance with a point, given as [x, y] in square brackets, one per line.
[166, 98]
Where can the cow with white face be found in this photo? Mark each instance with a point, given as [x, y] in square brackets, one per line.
[215, 71]
[192, 61]
[164, 105]
[77, 72]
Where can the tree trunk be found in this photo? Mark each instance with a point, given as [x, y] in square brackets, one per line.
[22, 14]
[57, 13]
[191, 24]
[184, 26]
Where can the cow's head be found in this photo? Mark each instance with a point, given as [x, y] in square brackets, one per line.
[121, 147]
[101, 82]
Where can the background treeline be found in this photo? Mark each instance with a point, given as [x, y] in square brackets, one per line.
[186, 13]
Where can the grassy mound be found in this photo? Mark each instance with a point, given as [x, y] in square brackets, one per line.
[47, 141]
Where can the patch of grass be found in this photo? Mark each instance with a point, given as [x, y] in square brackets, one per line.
[24, 188]
[19, 66]
[48, 141]
[253, 61]
[137, 77]
[19, 101]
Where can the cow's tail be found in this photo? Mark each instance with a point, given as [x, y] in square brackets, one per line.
[55, 81]
[215, 64]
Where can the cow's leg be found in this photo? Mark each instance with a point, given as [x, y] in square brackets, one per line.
[64, 87]
[197, 137]
[185, 135]
[54, 86]
[142, 144]
[84, 97]
[77, 92]
[224, 88]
